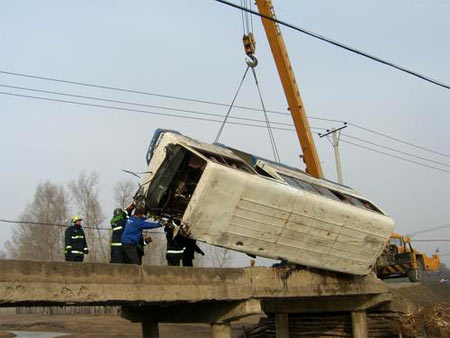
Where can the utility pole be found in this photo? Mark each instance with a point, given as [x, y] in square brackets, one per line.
[336, 132]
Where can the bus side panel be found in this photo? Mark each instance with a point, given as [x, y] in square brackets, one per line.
[251, 214]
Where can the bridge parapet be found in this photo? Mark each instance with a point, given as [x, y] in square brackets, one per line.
[60, 283]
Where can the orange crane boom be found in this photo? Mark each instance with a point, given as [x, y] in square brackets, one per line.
[290, 88]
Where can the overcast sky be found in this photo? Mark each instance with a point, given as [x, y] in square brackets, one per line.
[193, 49]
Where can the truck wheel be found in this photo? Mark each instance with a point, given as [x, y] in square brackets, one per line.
[416, 275]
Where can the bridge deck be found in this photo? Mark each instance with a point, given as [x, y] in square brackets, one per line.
[60, 283]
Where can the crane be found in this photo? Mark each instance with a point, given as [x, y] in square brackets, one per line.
[291, 91]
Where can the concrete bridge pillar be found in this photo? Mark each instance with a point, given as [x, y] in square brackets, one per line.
[221, 330]
[359, 324]
[282, 325]
[150, 330]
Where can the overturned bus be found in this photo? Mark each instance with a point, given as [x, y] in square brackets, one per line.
[234, 200]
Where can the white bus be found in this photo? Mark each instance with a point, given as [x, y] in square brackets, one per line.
[234, 200]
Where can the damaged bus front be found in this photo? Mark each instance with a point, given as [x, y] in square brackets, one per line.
[218, 196]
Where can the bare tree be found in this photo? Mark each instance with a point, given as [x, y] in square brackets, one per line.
[123, 193]
[3, 255]
[218, 257]
[41, 242]
[85, 193]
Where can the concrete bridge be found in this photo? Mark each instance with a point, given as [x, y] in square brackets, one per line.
[160, 294]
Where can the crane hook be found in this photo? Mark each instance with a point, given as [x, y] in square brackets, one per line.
[252, 62]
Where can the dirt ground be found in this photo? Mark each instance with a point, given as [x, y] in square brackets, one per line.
[422, 294]
[105, 326]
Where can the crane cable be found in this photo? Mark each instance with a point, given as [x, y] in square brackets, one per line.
[247, 18]
[252, 62]
[231, 106]
[245, 29]
[273, 144]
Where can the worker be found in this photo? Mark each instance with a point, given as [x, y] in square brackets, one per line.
[117, 226]
[75, 241]
[190, 248]
[175, 248]
[133, 233]
[141, 243]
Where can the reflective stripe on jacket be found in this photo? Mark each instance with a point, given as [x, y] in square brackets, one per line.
[75, 240]
[117, 226]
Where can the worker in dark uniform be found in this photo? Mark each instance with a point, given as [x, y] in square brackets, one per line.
[190, 248]
[117, 226]
[133, 233]
[175, 248]
[75, 241]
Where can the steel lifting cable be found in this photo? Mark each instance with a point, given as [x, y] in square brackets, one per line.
[252, 62]
[231, 106]
[273, 144]
[243, 18]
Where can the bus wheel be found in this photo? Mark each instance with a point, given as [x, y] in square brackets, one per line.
[416, 275]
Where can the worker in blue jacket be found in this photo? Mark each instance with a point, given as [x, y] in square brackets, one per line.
[133, 234]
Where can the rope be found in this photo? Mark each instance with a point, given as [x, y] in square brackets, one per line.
[231, 106]
[273, 144]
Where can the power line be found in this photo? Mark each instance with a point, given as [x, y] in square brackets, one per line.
[47, 224]
[30, 223]
[156, 94]
[395, 150]
[144, 111]
[339, 44]
[430, 240]
[397, 157]
[202, 119]
[137, 104]
[398, 140]
[439, 227]
[207, 102]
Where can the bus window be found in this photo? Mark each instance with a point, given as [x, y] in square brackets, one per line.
[363, 204]
[326, 192]
[306, 186]
[370, 206]
[291, 181]
[262, 172]
[299, 184]
[335, 195]
[227, 161]
[356, 202]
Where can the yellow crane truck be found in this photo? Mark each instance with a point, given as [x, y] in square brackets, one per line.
[400, 259]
